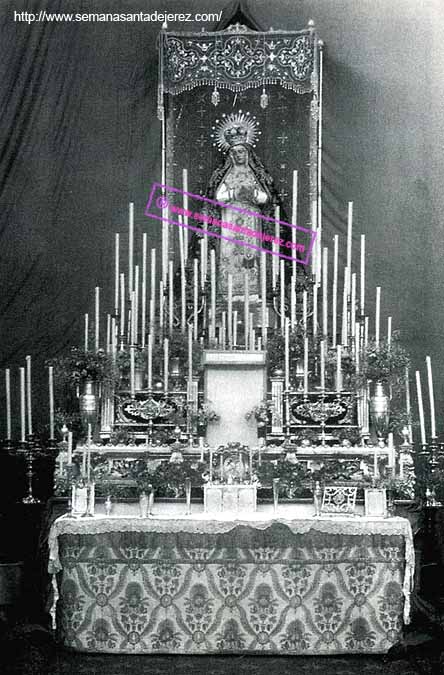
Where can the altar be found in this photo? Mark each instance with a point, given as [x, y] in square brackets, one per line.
[280, 582]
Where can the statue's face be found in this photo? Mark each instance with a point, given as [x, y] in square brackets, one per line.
[239, 154]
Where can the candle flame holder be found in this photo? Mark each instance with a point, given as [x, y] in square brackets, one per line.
[27, 448]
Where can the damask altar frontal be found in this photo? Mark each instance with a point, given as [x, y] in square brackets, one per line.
[179, 586]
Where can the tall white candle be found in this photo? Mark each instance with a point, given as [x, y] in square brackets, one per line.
[22, 405]
[349, 243]
[170, 296]
[294, 216]
[185, 206]
[230, 310]
[223, 330]
[420, 407]
[235, 327]
[28, 393]
[131, 250]
[305, 365]
[116, 272]
[362, 284]
[202, 266]
[69, 447]
[133, 370]
[51, 401]
[293, 301]
[165, 364]
[152, 289]
[246, 308]
[408, 408]
[389, 332]
[282, 298]
[431, 397]
[391, 451]
[338, 368]
[97, 319]
[8, 403]
[345, 309]
[353, 306]
[366, 333]
[264, 296]
[213, 294]
[325, 292]
[287, 354]
[335, 291]
[304, 311]
[122, 305]
[322, 348]
[108, 334]
[144, 282]
[315, 310]
[195, 296]
[161, 304]
[190, 364]
[377, 315]
[150, 362]
[86, 334]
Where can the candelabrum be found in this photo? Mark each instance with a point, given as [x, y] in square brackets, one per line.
[27, 449]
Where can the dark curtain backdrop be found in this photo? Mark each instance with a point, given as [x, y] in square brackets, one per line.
[80, 139]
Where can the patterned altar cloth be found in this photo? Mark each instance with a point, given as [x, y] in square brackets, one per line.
[209, 585]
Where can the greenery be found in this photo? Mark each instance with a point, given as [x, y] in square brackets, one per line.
[167, 479]
[204, 415]
[386, 363]
[73, 369]
[261, 412]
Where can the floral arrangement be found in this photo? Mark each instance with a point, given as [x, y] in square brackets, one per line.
[386, 363]
[167, 479]
[204, 415]
[74, 368]
[261, 412]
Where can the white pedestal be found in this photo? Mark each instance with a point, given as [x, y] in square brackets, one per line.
[235, 382]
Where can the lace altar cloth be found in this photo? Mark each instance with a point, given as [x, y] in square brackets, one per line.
[371, 558]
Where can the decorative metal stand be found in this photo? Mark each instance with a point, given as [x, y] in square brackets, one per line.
[27, 448]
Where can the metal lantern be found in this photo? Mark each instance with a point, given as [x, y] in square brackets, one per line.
[380, 410]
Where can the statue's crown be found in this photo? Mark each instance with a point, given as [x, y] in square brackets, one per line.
[234, 129]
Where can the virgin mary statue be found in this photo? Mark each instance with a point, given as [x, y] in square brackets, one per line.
[242, 182]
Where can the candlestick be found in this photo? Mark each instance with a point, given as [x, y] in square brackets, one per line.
[69, 447]
[349, 243]
[287, 354]
[116, 272]
[223, 329]
[122, 305]
[28, 393]
[420, 408]
[338, 368]
[362, 285]
[213, 294]
[144, 283]
[377, 315]
[335, 291]
[88, 469]
[131, 249]
[322, 348]
[235, 328]
[325, 292]
[306, 366]
[150, 362]
[195, 296]
[51, 401]
[108, 334]
[22, 406]
[85, 341]
[431, 397]
[389, 332]
[8, 403]
[165, 364]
